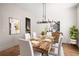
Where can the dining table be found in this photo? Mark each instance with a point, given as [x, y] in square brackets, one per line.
[42, 44]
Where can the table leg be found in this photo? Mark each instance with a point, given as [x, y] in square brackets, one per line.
[44, 54]
[47, 54]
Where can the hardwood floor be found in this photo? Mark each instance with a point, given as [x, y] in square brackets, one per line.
[14, 51]
[69, 50]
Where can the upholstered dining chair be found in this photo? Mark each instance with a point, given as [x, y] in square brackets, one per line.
[26, 48]
[58, 48]
[34, 35]
[49, 34]
[56, 36]
[27, 36]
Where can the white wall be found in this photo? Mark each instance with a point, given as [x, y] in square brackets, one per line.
[36, 10]
[6, 11]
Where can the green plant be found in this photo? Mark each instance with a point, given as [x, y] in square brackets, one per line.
[73, 32]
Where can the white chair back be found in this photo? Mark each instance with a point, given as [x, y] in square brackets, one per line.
[49, 34]
[60, 44]
[26, 48]
[27, 36]
[34, 35]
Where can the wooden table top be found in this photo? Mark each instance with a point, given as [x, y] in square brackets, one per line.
[42, 45]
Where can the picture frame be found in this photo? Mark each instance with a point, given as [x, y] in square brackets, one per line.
[27, 25]
[14, 26]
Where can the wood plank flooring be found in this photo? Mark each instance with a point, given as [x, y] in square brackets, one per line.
[13, 51]
[69, 50]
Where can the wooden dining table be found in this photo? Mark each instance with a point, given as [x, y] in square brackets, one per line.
[42, 45]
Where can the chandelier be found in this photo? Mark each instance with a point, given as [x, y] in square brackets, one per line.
[43, 20]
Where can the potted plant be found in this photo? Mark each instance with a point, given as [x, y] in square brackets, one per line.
[73, 33]
[43, 33]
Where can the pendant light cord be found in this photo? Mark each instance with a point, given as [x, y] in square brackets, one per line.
[44, 11]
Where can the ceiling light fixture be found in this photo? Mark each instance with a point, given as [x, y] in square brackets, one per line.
[44, 16]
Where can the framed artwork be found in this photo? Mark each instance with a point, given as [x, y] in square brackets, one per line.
[14, 26]
[55, 26]
[28, 25]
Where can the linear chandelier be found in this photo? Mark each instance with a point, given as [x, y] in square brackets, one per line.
[44, 16]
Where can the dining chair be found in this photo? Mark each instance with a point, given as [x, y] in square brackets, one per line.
[27, 36]
[49, 34]
[56, 36]
[58, 48]
[34, 35]
[26, 48]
